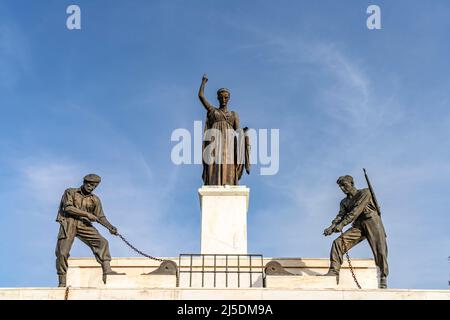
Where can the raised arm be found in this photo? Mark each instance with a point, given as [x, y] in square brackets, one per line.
[201, 94]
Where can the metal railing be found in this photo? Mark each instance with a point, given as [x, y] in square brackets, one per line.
[222, 265]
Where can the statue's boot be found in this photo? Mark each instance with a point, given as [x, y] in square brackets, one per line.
[383, 283]
[62, 280]
[332, 273]
[107, 271]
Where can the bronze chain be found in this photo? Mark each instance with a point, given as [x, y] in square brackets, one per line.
[146, 255]
[129, 244]
[137, 250]
[349, 261]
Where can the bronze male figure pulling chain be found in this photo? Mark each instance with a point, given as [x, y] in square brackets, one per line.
[360, 209]
[79, 207]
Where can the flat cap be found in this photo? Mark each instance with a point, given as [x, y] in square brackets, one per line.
[346, 178]
[92, 177]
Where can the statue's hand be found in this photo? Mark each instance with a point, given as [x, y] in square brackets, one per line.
[91, 217]
[328, 231]
[113, 230]
[205, 78]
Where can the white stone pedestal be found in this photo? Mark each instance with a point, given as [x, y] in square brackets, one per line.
[224, 219]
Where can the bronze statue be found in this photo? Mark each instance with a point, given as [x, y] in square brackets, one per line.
[226, 147]
[360, 208]
[79, 207]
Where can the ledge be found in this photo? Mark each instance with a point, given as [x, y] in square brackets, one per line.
[219, 294]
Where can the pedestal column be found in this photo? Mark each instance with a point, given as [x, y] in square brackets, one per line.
[224, 219]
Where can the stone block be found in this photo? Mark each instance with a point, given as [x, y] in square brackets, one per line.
[224, 219]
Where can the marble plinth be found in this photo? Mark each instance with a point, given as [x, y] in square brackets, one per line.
[224, 219]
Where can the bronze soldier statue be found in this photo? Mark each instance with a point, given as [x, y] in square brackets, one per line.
[358, 207]
[79, 207]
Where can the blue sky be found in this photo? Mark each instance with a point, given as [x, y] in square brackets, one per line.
[106, 99]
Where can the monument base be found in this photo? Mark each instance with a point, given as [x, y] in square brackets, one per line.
[224, 219]
[298, 283]
[202, 272]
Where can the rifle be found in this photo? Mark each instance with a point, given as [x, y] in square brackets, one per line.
[372, 193]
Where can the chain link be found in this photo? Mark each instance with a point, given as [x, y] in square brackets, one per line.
[147, 256]
[129, 244]
[139, 251]
[349, 261]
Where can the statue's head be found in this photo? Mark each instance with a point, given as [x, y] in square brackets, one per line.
[346, 184]
[90, 182]
[223, 95]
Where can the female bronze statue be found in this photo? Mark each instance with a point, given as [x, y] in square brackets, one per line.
[223, 162]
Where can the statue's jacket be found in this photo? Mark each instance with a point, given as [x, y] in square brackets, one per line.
[357, 209]
[74, 197]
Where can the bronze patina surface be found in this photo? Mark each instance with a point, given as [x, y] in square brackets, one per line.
[358, 208]
[226, 147]
[78, 209]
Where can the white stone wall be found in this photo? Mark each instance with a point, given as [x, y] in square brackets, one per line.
[86, 272]
[84, 278]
